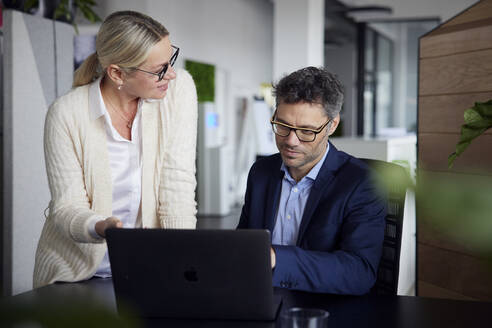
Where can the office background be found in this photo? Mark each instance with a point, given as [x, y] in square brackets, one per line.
[250, 43]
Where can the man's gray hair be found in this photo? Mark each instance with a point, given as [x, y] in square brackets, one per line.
[311, 85]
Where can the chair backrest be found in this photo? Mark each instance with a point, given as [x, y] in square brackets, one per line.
[393, 179]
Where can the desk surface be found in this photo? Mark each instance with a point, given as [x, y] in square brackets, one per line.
[345, 311]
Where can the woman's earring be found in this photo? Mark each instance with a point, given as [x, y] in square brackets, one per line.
[119, 86]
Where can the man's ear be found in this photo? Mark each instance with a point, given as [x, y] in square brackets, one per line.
[333, 125]
[115, 74]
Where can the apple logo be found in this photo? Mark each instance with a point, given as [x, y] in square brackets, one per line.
[191, 275]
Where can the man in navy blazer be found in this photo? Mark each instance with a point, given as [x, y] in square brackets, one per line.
[326, 220]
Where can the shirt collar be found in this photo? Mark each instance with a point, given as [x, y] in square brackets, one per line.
[312, 174]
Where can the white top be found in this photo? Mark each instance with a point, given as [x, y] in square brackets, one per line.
[125, 162]
[79, 175]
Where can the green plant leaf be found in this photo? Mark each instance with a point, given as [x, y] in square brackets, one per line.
[451, 159]
[478, 119]
[89, 14]
[474, 119]
[62, 10]
[485, 108]
[88, 2]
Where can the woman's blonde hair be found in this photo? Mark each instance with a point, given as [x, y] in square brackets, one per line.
[124, 39]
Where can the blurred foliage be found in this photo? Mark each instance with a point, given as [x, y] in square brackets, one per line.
[71, 312]
[392, 180]
[478, 119]
[65, 12]
[458, 206]
[204, 77]
[85, 7]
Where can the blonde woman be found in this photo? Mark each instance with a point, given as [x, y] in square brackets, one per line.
[119, 148]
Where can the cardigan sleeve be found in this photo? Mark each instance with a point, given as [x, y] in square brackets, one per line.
[177, 205]
[69, 207]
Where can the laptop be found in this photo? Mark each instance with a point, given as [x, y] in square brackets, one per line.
[193, 274]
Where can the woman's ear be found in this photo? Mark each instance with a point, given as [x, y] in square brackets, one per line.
[115, 74]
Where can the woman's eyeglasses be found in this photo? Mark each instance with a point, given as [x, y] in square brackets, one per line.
[163, 71]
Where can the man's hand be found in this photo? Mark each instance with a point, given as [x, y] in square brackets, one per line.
[272, 257]
[111, 222]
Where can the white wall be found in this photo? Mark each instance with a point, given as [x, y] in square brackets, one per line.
[298, 35]
[234, 35]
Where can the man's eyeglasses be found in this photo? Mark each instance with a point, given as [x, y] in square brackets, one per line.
[303, 134]
[163, 71]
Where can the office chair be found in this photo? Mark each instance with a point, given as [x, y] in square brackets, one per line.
[393, 180]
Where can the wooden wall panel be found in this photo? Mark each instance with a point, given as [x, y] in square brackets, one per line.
[430, 235]
[476, 12]
[456, 74]
[455, 70]
[434, 149]
[457, 272]
[430, 290]
[459, 41]
[444, 114]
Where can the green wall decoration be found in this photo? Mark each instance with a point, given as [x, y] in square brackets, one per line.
[204, 77]
[478, 119]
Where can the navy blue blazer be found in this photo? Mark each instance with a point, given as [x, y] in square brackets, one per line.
[341, 232]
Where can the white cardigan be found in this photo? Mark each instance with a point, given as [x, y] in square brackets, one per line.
[79, 177]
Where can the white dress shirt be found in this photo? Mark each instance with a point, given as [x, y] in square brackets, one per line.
[126, 171]
[293, 199]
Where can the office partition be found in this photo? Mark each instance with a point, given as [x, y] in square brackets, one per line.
[37, 68]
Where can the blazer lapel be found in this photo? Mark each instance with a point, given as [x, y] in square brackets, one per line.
[333, 161]
[273, 197]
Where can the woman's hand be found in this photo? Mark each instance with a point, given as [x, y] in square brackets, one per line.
[111, 222]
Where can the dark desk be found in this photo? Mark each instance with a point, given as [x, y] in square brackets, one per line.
[345, 311]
